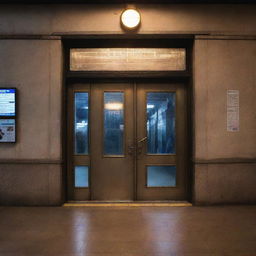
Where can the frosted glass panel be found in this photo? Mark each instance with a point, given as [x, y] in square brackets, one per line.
[161, 176]
[161, 123]
[113, 123]
[81, 176]
[81, 122]
[128, 59]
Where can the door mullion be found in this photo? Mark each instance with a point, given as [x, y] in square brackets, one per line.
[135, 138]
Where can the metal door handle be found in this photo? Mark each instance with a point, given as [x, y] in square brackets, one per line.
[132, 148]
[142, 140]
[140, 145]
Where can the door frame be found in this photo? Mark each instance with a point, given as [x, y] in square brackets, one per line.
[72, 77]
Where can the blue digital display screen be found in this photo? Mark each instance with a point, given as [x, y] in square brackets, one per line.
[7, 102]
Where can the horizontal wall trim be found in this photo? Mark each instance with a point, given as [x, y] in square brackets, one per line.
[29, 37]
[225, 37]
[196, 161]
[225, 161]
[122, 35]
[158, 34]
[127, 74]
[103, 35]
[31, 161]
[198, 35]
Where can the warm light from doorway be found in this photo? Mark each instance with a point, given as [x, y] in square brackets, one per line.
[113, 106]
[130, 18]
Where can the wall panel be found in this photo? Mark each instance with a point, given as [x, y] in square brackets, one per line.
[222, 65]
[35, 68]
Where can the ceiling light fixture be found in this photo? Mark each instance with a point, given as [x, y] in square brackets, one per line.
[130, 18]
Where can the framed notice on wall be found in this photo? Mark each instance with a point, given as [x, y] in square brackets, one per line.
[8, 115]
[233, 111]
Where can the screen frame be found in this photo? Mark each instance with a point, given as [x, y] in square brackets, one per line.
[15, 103]
[11, 117]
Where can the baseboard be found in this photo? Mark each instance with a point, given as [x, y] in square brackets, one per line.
[127, 203]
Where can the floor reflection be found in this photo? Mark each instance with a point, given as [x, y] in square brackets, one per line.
[80, 230]
[127, 231]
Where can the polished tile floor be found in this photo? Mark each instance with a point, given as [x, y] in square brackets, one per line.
[124, 231]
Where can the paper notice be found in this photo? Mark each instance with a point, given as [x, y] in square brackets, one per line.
[233, 111]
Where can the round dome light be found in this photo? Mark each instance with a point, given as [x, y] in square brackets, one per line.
[130, 18]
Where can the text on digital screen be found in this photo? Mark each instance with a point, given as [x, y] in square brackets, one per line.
[7, 102]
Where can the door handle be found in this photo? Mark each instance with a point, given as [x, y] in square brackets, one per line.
[138, 148]
[142, 140]
[140, 145]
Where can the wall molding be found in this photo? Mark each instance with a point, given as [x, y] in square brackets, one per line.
[105, 34]
[197, 35]
[225, 161]
[195, 161]
[31, 161]
[29, 37]
[225, 37]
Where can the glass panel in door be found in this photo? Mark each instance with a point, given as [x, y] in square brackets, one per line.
[161, 122]
[113, 123]
[81, 123]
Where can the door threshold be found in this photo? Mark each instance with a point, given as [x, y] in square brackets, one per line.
[127, 203]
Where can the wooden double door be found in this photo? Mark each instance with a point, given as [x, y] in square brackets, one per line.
[127, 141]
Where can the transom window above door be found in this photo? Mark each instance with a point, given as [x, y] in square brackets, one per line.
[127, 59]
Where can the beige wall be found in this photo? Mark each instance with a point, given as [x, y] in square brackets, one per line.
[30, 169]
[195, 19]
[227, 183]
[34, 67]
[222, 65]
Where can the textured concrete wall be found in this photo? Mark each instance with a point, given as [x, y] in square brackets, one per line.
[106, 18]
[225, 183]
[34, 67]
[30, 184]
[222, 65]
